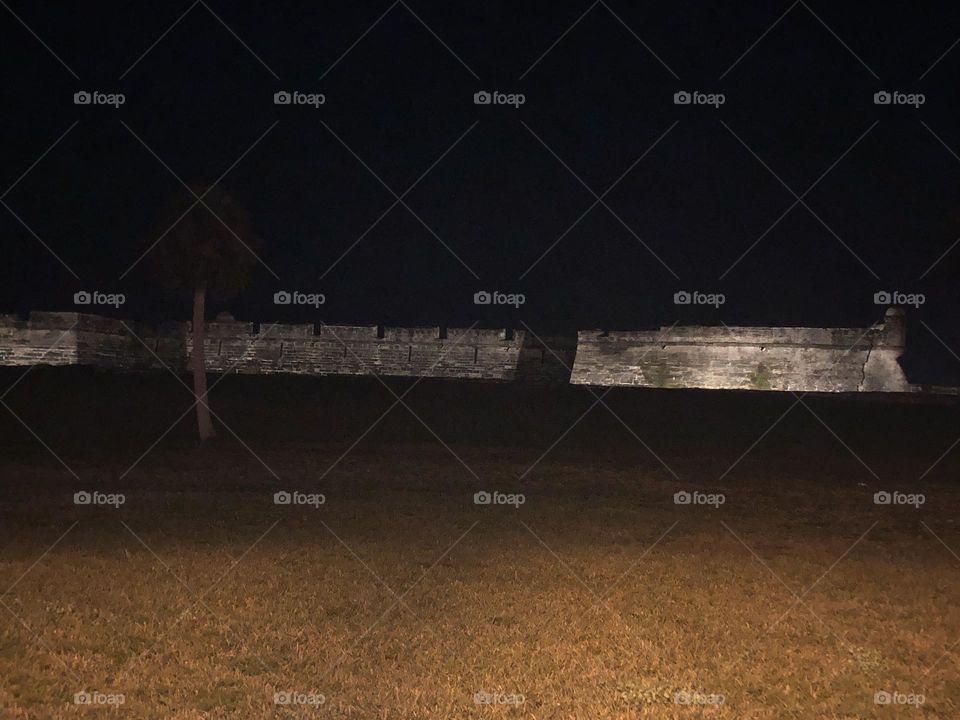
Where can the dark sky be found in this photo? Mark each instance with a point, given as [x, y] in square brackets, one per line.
[399, 80]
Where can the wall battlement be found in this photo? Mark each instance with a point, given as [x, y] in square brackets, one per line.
[733, 358]
[231, 346]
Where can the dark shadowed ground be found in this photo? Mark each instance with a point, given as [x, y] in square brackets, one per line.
[599, 596]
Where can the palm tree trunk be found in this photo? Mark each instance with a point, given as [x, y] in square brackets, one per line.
[204, 424]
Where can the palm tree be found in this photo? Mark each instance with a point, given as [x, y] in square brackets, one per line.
[205, 253]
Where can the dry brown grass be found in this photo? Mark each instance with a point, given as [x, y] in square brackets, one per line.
[598, 598]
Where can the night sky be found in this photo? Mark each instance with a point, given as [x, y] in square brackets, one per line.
[695, 189]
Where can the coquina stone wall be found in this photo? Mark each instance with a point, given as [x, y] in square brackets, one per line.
[230, 346]
[735, 358]
[748, 358]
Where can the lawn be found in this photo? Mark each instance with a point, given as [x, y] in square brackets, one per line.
[587, 588]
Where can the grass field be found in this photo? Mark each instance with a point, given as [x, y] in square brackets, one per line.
[791, 594]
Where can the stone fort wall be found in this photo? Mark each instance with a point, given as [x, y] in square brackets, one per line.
[231, 346]
[733, 358]
[748, 358]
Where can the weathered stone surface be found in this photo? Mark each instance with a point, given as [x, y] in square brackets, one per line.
[748, 358]
[740, 358]
[230, 346]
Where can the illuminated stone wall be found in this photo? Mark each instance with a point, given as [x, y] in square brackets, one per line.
[230, 346]
[733, 358]
[748, 358]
